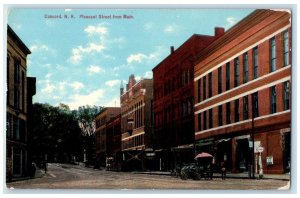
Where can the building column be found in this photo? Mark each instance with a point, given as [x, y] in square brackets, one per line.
[233, 154]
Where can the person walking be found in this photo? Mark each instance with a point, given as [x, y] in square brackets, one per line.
[32, 170]
[223, 170]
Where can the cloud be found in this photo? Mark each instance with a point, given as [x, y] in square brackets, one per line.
[114, 102]
[112, 83]
[148, 74]
[94, 69]
[77, 85]
[79, 52]
[68, 10]
[92, 98]
[136, 58]
[138, 78]
[148, 26]
[48, 89]
[231, 21]
[48, 75]
[100, 30]
[37, 48]
[171, 28]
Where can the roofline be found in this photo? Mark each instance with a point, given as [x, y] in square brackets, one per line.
[17, 38]
[181, 46]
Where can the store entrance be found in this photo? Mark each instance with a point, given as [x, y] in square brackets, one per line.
[243, 155]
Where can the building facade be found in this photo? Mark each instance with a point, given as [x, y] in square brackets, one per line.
[18, 99]
[102, 140]
[174, 101]
[113, 132]
[136, 123]
[242, 92]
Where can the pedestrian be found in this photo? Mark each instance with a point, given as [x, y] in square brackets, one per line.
[45, 166]
[32, 170]
[223, 170]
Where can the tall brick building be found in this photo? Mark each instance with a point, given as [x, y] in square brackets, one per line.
[20, 90]
[174, 101]
[136, 123]
[103, 139]
[242, 89]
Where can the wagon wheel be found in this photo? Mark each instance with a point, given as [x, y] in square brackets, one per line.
[183, 176]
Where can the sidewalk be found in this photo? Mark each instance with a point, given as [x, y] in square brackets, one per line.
[228, 175]
[38, 174]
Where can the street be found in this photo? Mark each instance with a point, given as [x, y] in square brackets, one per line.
[65, 176]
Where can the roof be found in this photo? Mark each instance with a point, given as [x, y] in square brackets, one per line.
[16, 38]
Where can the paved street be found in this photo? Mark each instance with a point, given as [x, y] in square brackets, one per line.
[62, 176]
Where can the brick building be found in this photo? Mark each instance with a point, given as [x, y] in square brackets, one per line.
[242, 89]
[103, 139]
[113, 136]
[20, 90]
[174, 101]
[136, 123]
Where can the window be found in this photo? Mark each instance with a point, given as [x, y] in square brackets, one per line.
[273, 99]
[246, 108]
[286, 95]
[199, 90]
[220, 115]
[286, 48]
[228, 121]
[199, 122]
[255, 63]
[227, 76]
[17, 71]
[246, 68]
[220, 80]
[273, 54]
[255, 105]
[204, 121]
[210, 118]
[204, 87]
[23, 91]
[236, 110]
[7, 79]
[16, 98]
[236, 72]
[210, 84]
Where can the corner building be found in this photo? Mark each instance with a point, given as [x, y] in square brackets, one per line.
[242, 90]
[104, 137]
[19, 93]
[136, 124]
[174, 101]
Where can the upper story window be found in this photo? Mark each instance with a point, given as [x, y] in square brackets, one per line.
[273, 54]
[17, 71]
[246, 108]
[236, 72]
[255, 63]
[210, 84]
[199, 90]
[273, 99]
[286, 48]
[228, 120]
[199, 122]
[219, 80]
[227, 76]
[210, 118]
[236, 111]
[204, 120]
[286, 95]
[255, 104]
[246, 68]
[220, 115]
[204, 87]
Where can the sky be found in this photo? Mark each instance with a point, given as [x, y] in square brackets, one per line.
[80, 56]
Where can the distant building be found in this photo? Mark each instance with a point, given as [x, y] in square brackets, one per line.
[103, 139]
[20, 90]
[242, 88]
[136, 124]
[174, 101]
[113, 136]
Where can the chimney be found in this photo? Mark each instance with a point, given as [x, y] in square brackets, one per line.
[219, 31]
[172, 49]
